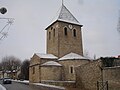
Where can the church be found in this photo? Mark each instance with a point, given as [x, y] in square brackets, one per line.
[64, 51]
[64, 63]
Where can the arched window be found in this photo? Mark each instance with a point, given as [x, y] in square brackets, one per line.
[74, 32]
[71, 69]
[33, 70]
[54, 32]
[65, 31]
[49, 35]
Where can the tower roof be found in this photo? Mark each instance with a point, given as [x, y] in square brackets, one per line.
[65, 15]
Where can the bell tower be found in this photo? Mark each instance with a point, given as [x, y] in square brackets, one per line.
[64, 34]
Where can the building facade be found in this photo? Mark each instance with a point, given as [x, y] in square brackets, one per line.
[64, 60]
[64, 50]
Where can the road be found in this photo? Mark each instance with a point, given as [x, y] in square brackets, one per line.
[19, 86]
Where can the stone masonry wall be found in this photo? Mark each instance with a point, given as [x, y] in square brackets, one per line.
[112, 74]
[51, 73]
[70, 43]
[67, 75]
[34, 63]
[87, 75]
[34, 77]
[60, 44]
[52, 39]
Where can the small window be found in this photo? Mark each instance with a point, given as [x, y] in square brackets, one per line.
[65, 31]
[33, 70]
[51, 28]
[49, 35]
[54, 32]
[71, 69]
[74, 32]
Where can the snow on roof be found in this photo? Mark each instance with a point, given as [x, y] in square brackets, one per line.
[72, 56]
[65, 15]
[8, 71]
[48, 56]
[51, 63]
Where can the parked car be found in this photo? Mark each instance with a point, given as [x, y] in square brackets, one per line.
[7, 81]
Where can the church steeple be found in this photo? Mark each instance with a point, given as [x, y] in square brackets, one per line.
[65, 15]
[64, 34]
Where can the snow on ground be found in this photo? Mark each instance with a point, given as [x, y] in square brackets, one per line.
[24, 81]
[58, 81]
[40, 84]
[2, 88]
[49, 86]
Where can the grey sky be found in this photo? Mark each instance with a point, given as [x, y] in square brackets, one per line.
[27, 35]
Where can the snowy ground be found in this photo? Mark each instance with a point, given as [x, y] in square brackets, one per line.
[40, 84]
[2, 88]
[24, 81]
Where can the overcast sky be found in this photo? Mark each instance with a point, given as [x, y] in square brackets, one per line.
[27, 35]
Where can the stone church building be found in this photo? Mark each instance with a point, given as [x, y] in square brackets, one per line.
[64, 50]
[64, 61]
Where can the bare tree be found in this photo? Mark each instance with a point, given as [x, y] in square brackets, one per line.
[25, 69]
[10, 63]
[0, 66]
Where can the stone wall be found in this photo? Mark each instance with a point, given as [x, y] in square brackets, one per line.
[43, 60]
[112, 74]
[68, 43]
[87, 75]
[67, 75]
[34, 60]
[51, 73]
[34, 64]
[34, 77]
[52, 40]
[60, 44]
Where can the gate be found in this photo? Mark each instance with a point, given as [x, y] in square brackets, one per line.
[102, 85]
